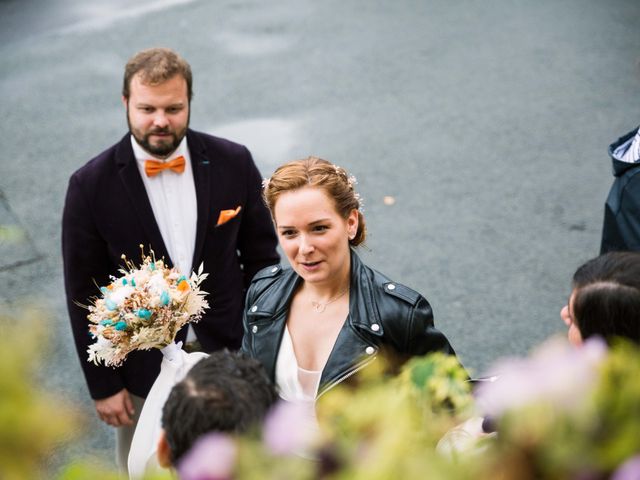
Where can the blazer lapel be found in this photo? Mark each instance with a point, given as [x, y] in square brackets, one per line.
[202, 170]
[130, 176]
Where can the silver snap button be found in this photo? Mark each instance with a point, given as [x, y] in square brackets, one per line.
[375, 327]
[254, 308]
[391, 286]
[254, 329]
[274, 269]
[370, 350]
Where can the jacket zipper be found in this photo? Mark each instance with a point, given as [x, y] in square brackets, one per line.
[349, 373]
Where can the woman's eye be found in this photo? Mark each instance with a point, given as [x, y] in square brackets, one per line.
[320, 228]
[287, 233]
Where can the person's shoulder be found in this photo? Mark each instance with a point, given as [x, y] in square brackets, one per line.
[271, 272]
[102, 162]
[386, 288]
[221, 146]
[266, 278]
[269, 275]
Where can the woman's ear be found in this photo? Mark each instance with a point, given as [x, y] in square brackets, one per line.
[164, 451]
[352, 224]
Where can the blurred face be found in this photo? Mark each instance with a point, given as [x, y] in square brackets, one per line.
[313, 236]
[158, 115]
[575, 338]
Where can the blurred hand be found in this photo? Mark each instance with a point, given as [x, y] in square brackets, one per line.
[116, 410]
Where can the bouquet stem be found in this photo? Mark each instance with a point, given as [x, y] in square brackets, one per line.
[172, 351]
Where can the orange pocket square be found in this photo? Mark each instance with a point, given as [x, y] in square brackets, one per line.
[226, 215]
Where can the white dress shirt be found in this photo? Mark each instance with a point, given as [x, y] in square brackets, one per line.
[173, 201]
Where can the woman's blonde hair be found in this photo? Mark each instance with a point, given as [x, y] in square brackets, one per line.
[318, 173]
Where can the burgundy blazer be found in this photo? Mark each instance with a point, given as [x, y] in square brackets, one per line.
[107, 213]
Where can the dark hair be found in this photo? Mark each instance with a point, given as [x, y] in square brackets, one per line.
[318, 173]
[607, 296]
[156, 66]
[225, 392]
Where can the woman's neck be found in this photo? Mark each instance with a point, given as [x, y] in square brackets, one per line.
[327, 291]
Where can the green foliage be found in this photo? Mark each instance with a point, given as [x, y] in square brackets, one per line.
[617, 406]
[86, 470]
[255, 463]
[596, 436]
[377, 427]
[33, 421]
[389, 427]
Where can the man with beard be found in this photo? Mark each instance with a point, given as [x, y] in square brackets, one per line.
[190, 197]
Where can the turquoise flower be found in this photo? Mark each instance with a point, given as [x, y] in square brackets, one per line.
[152, 266]
[124, 281]
[144, 313]
[106, 323]
[121, 326]
[164, 298]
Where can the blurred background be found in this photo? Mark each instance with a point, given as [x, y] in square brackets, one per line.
[478, 132]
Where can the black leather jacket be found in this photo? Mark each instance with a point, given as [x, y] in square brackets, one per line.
[382, 314]
[621, 229]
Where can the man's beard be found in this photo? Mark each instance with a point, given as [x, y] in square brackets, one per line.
[163, 149]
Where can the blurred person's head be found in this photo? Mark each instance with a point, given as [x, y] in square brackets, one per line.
[317, 215]
[605, 300]
[156, 93]
[225, 392]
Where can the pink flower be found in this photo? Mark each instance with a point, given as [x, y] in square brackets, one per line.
[629, 470]
[290, 427]
[213, 457]
[556, 372]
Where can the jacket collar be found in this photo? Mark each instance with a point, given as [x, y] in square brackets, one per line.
[202, 172]
[361, 298]
[130, 175]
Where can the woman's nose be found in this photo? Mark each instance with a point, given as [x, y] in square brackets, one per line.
[306, 246]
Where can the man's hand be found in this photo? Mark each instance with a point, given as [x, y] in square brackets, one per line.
[116, 410]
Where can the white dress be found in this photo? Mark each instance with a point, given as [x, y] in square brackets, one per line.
[176, 363]
[295, 384]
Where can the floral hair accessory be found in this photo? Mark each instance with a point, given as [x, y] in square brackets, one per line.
[358, 198]
[265, 183]
[352, 181]
[142, 309]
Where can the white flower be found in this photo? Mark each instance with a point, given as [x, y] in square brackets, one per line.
[141, 277]
[102, 350]
[157, 284]
[120, 294]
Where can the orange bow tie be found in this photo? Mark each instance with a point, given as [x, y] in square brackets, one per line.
[154, 167]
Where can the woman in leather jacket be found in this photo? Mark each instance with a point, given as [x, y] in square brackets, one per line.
[317, 323]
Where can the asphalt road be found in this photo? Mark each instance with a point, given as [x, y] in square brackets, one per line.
[487, 122]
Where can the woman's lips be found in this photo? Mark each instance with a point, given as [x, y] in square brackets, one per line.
[310, 266]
